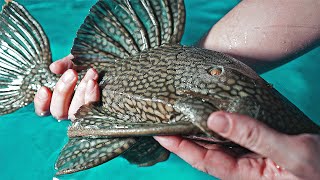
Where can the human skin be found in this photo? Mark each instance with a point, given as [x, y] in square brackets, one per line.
[266, 34]
[62, 103]
[263, 34]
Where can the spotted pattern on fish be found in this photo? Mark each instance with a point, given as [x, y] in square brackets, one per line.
[146, 152]
[124, 13]
[161, 9]
[24, 58]
[83, 153]
[178, 18]
[149, 20]
[21, 19]
[116, 29]
[146, 87]
[110, 43]
[94, 120]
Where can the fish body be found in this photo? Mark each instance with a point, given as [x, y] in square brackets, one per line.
[151, 85]
[158, 86]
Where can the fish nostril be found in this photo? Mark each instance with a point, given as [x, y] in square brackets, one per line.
[216, 71]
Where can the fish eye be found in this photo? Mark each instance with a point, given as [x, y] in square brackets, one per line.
[215, 71]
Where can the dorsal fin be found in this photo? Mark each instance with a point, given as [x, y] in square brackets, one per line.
[115, 29]
[179, 16]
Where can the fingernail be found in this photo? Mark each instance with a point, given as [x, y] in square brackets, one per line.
[44, 113]
[91, 74]
[53, 64]
[219, 123]
[70, 56]
[90, 86]
[43, 95]
[59, 119]
[68, 76]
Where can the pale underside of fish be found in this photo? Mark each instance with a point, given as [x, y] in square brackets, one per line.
[150, 84]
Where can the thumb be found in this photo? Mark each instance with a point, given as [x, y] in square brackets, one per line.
[253, 135]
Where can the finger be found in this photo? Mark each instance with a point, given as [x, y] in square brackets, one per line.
[79, 95]
[213, 161]
[246, 131]
[92, 92]
[263, 140]
[62, 65]
[42, 101]
[62, 94]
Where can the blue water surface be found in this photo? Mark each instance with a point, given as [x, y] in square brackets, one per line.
[29, 145]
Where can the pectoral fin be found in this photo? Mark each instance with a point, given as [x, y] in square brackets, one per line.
[84, 153]
[92, 120]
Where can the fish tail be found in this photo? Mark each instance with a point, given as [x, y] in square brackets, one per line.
[24, 58]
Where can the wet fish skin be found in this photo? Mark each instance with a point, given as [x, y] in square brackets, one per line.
[156, 86]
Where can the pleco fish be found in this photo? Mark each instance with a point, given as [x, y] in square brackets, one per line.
[151, 85]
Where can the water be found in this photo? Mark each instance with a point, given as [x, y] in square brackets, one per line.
[30, 144]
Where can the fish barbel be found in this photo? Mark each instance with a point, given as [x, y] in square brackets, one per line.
[151, 85]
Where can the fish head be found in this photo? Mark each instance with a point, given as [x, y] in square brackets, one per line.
[216, 76]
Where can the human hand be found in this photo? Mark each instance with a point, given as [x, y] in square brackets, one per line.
[276, 155]
[62, 103]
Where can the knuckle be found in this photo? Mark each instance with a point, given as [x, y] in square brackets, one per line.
[308, 144]
[92, 97]
[82, 86]
[301, 166]
[59, 89]
[180, 145]
[308, 147]
[250, 137]
[309, 139]
[77, 98]
[203, 164]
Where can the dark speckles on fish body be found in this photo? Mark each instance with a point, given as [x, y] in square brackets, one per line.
[150, 84]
